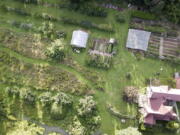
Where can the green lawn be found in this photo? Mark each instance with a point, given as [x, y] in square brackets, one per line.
[123, 62]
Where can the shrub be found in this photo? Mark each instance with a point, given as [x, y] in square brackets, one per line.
[47, 30]
[46, 98]
[86, 106]
[120, 19]
[61, 103]
[25, 26]
[130, 94]
[93, 10]
[57, 111]
[143, 15]
[173, 125]
[27, 95]
[56, 50]
[12, 91]
[16, 10]
[63, 99]
[128, 131]
[99, 61]
[88, 25]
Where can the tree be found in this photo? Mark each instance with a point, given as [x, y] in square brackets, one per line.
[128, 131]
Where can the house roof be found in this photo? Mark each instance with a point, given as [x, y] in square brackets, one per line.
[155, 108]
[138, 39]
[178, 83]
[79, 38]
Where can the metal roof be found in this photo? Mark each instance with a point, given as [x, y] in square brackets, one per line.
[138, 39]
[79, 38]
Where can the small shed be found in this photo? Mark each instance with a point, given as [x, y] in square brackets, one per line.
[79, 38]
[138, 39]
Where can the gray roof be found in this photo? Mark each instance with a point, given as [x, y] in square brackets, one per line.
[138, 39]
[79, 38]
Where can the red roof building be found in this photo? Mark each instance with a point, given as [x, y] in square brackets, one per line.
[158, 104]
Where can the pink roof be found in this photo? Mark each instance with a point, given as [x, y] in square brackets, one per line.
[155, 108]
[178, 83]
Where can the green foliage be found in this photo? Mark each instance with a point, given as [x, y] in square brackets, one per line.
[27, 95]
[45, 98]
[120, 18]
[99, 61]
[61, 103]
[93, 10]
[173, 125]
[3, 109]
[56, 50]
[18, 11]
[12, 91]
[86, 106]
[76, 128]
[88, 25]
[63, 99]
[47, 30]
[25, 128]
[143, 15]
[128, 131]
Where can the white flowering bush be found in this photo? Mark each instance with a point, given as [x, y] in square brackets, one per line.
[47, 30]
[76, 128]
[128, 131]
[25, 128]
[56, 50]
[61, 103]
[86, 106]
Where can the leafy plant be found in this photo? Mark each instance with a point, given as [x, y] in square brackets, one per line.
[143, 15]
[120, 19]
[56, 50]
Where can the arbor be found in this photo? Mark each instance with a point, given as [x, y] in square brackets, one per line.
[128, 131]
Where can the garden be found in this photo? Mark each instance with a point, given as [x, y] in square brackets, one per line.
[47, 88]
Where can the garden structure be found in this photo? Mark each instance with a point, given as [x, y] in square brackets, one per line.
[164, 47]
[159, 103]
[154, 44]
[102, 51]
[79, 38]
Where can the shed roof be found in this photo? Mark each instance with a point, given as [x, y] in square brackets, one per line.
[79, 38]
[138, 39]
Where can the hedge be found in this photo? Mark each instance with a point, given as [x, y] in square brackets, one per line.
[143, 15]
[88, 24]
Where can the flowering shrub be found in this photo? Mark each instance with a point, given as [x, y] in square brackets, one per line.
[56, 50]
